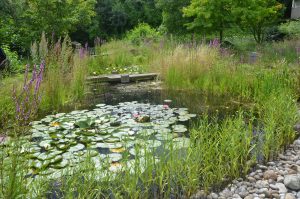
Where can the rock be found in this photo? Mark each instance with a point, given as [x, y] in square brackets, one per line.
[270, 175]
[249, 197]
[243, 194]
[276, 195]
[214, 195]
[280, 179]
[289, 196]
[262, 167]
[262, 190]
[292, 182]
[199, 195]
[226, 193]
[297, 129]
[282, 157]
[251, 179]
[274, 187]
[281, 187]
[236, 196]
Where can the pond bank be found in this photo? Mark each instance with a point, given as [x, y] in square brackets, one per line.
[278, 179]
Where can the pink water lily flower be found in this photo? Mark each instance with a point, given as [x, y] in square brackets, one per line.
[166, 106]
[135, 115]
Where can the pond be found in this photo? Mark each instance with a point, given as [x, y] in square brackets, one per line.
[118, 124]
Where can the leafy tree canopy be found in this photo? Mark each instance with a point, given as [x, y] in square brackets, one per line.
[257, 15]
[210, 15]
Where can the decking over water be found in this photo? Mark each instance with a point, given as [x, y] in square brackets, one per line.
[122, 78]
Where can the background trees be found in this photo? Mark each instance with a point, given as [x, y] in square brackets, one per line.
[23, 21]
[172, 15]
[210, 15]
[256, 16]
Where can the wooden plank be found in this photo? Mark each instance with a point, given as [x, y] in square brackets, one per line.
[117, 78]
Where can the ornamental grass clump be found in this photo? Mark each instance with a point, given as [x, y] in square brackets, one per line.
[65, 73]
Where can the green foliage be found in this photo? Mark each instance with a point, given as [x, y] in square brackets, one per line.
[210, 16]
[15, 64]
[291, 28]
[58, 17]
[122, 56]
[257, 16]
[172, 15]
[115, 17]
[142, 33]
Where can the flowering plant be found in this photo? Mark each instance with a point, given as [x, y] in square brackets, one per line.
[28, 100]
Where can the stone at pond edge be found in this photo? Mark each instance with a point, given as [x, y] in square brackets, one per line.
[292, 182]
[270, 175]
[289, 196]
[199, 195]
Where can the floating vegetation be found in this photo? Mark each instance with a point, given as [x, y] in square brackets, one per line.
[106, 134]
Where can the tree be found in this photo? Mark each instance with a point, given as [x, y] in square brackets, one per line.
[115, 17]
[172, 15]
[11, 28]
[57, 16]
[257, 15]
[210, 15]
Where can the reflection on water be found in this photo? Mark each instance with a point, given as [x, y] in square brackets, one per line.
[196, 102]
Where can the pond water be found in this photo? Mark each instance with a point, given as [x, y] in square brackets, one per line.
[155, 93]
[118, 124]
[106, 133]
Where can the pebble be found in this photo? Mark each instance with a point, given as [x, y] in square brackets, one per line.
[278, 179]
[289, 196]
[292, 182]
[270, 175]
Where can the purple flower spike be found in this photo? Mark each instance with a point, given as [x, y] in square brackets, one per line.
[28, 100]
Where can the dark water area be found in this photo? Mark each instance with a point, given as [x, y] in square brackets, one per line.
[153, 93]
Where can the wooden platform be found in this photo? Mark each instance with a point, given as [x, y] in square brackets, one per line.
[122, 78]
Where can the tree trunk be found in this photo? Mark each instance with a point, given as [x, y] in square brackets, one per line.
[221, 36]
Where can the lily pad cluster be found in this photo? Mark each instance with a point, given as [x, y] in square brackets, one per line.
[110, 134]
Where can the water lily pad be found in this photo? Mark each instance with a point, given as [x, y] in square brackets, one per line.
[77, 147]
[137, 151]
[109, 145]
[146, 132]
[112, 139]
[46, 144]
[112, 157]
[164, 136]
[85, 123]
[179, 128]
[153, 143]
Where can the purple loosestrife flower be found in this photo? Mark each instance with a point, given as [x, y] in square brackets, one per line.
[28, 100]
[215, 43]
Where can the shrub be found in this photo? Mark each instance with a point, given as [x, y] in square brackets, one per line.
[143, 32]
[292, 28]
[15, 63]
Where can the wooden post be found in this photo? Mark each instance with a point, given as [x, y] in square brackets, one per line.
[125, 78]
[253, 57]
